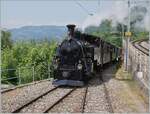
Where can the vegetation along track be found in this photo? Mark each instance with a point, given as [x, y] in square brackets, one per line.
[140, 47]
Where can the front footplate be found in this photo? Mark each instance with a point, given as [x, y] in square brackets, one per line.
[68, 82]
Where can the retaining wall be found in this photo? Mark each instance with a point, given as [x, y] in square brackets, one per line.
[139, 67]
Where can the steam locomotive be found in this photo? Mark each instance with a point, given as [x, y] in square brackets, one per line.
[79, 55]
[73, 63]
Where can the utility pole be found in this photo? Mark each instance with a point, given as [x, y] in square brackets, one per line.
[128, 34]
[99, 6]
[123, 41]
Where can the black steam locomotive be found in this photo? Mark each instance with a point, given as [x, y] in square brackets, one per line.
[73, 63]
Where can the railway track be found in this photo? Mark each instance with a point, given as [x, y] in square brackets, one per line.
[97, 97]
[56, 94]
[66, 99]
[72, 100]
[84, 99]
[142, 46]
[138, 45]
[57, 103]
[21, 86]
[74, 103]
[59, 100]
[110, 108]
[42, 103]
[53, 100]
[33, 100]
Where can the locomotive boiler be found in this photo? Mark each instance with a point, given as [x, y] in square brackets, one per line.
[73, 63]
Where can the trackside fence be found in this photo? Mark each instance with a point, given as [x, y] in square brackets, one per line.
[24, 75]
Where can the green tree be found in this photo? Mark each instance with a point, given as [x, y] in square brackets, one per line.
[105, 31]
[91, 29]
[6, 40]
[105, 26]
[26, 55]
[121, 28]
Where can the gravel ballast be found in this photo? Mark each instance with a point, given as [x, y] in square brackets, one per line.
[96, 99]
[46, 101]
[106, 93]
[14, 99]
[72, 103]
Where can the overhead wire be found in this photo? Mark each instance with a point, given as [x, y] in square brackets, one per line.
[81, 6]
[98, 6]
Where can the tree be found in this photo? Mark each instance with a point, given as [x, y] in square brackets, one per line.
[121, 27]
[6, 40]
[91, 29]
[105, 30]
[105, 26]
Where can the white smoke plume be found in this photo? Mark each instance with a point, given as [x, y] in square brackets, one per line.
[116, 13]
[145, 23]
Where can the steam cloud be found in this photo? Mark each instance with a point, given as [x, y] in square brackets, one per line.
[117, 13]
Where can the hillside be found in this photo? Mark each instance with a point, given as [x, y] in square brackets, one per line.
[38, 32]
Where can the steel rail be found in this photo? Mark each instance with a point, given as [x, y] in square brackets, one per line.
[137, 46]
[106, 95]
[33, 100]
[108, 98]
[58, 101]
[142, 46]
[84, 100]
[22, 85]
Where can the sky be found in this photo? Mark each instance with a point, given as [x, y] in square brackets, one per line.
[17, 13]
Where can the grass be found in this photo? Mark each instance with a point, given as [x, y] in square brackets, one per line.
[123, 75]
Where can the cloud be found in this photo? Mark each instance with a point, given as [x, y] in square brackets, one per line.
[94, 20]
[117, 12]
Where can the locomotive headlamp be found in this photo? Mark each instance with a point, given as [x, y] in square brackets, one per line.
[79, 66]
[57, 60]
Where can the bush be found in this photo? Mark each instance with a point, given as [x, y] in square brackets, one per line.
[27, 54]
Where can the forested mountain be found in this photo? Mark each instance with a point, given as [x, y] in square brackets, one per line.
[38, 32]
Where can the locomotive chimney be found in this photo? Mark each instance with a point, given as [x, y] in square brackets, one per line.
[71, 28]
